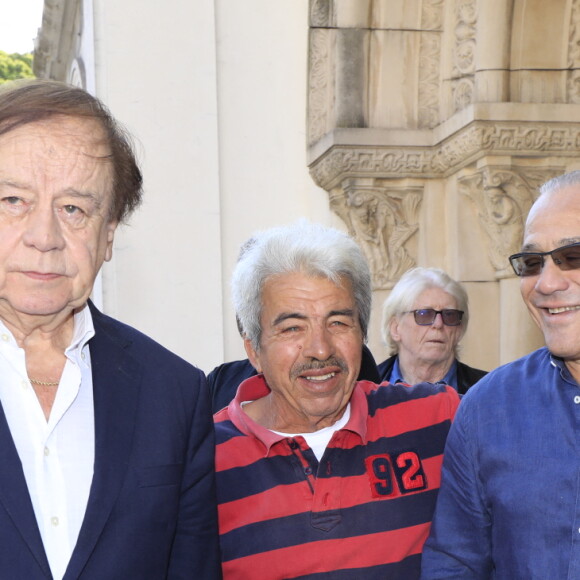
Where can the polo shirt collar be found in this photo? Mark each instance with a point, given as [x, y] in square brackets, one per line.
[256, 387]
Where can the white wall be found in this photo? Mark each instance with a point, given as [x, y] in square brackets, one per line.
[262, 76]
[216, 94]
[155, 68]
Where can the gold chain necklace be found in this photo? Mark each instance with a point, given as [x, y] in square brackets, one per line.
[44, 383]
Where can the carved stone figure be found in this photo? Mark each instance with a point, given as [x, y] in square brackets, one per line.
[503, 199]
[382, 220]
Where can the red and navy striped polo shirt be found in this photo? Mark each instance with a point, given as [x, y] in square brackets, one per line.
[362, 512]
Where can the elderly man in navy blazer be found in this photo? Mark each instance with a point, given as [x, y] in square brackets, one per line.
[106, 443]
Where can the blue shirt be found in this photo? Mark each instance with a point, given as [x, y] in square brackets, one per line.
[509, 505]
[449, 379]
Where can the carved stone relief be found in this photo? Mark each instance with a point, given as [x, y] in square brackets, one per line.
[429, 80]
[503, 198]
[429, 64]
[470, 143]
[432, 15]
[321, 83]
[573, 84]
[464, 53]
[321, 13]
[382, 219]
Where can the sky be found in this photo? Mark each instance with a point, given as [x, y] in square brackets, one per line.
[19, 24]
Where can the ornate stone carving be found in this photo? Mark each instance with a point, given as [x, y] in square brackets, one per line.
[573, 84]
[321, 13]
[382, 219]
[465, 30]
[432, 15]
[472, 142]
[503, 198]
[429, 79]
[464, 53]
[321, 83]
[463, 93]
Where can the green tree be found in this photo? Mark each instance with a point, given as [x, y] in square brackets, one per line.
[15, 66]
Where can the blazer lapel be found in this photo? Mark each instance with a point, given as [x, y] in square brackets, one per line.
[15, 498]
[116, 379]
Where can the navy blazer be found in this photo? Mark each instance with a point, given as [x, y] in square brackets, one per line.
[151, 512]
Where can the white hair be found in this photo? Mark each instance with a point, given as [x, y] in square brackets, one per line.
[305, 247]
[413, 283]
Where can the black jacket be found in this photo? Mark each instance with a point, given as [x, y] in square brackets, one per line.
[466, 376]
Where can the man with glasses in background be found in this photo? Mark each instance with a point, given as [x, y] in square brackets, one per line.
[509, 505]
[424, 318]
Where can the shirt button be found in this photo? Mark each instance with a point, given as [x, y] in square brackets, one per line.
[5, 338]
[577, 399]
[308, 471]
[24, 384]
[46, 451]
[54, 521]
[83, 356]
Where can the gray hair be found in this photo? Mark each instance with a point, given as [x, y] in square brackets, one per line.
[304, 247]
[560, 182]
[409, 287]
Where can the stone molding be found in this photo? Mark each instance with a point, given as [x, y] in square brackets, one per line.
[573, 83]
[465, 146]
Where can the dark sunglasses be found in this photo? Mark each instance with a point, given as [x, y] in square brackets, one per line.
[426, 316]
[531, 263]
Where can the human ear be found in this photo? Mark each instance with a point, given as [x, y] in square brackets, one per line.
[111, 228]
[394, 329]
[253, 355]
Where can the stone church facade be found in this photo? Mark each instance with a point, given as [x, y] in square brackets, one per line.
[425, 129]
[431, 124]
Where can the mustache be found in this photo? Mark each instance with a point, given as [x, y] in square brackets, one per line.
[315, 365]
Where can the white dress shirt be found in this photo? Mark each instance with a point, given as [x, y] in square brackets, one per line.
[57, 455]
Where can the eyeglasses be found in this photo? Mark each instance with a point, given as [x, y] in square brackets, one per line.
[531, 263]
[426, 316]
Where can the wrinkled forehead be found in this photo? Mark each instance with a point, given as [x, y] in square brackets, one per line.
[69, 152]
[61, 137]
[80, 133]
[434, 296]
[339, 283]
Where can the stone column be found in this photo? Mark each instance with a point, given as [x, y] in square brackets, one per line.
[492, 60]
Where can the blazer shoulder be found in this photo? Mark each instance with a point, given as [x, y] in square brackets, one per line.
[110, 333]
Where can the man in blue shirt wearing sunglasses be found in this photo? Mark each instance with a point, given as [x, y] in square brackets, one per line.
[509, 505]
